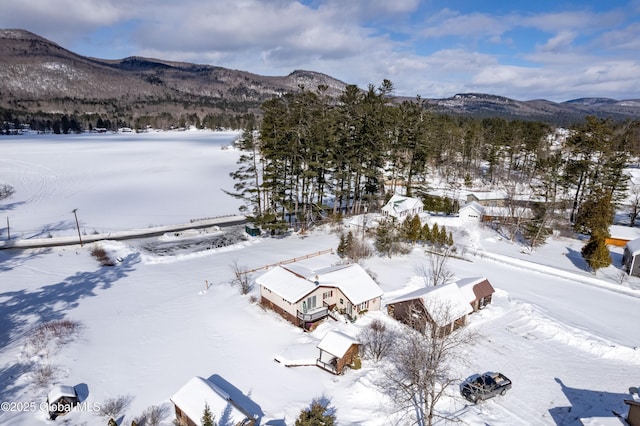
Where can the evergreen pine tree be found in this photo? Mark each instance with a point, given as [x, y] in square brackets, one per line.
[442, 236]
[425, 234]
[320, 413]
[415, 229]
[384, 238]
[435, 233]
[349, 243]
[342, 246]
[207, 419]
[450, 239]
[596, 253]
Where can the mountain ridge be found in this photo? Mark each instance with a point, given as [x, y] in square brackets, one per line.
[37, 74]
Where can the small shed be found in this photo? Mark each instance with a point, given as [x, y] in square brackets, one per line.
[61, 399]
[190, 400]
[631, 257]
[477, 290]
[471, 212]
[337, 350]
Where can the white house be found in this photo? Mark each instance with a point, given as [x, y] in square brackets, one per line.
[471, 212]
[401, 207]
[304, 296]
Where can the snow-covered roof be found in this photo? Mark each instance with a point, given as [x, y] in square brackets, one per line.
[488, 195]
[624, 232]
[444, 303]
[470, 291]
[400, 203]
[191, 399]
[61, 391]
[522, 212]
[287, 284]
[294, 282]
[352, 280]
[634, 246]
[474, 206]
[336, 343]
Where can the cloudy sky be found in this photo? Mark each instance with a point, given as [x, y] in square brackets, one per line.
[551, 49]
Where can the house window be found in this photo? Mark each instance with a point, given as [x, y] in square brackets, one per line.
[364, 305]
[327, 294]
[341, 301]
[309, 304]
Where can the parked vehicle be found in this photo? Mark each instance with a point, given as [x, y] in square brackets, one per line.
[484, 386]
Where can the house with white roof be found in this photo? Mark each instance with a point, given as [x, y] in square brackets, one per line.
[304, 297]
[337, 350]
[471, 212]
[445, 306]
[189, 402]
[488, 198]
[401, 207]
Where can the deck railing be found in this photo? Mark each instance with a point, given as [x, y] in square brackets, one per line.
[314, 315]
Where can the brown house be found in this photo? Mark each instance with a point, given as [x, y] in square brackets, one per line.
[337, 351]
[190, 400]
[444, 307]
[477, 290]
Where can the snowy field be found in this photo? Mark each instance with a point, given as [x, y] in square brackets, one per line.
[569, 340]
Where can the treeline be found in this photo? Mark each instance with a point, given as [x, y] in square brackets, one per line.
[12, 120]
[312, 155]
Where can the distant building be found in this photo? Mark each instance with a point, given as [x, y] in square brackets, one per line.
[401, 207]
[471, 212]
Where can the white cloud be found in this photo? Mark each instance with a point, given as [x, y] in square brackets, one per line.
[560, 42]
[363, 41]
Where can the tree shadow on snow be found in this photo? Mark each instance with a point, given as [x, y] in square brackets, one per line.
[10, 259]
[578, 261]
[51, 302]
[586, 403]
[243, 402]
[48, 303]
[9, 384]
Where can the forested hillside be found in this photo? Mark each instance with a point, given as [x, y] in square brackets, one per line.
[312, 156]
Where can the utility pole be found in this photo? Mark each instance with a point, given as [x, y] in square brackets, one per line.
[77, 225]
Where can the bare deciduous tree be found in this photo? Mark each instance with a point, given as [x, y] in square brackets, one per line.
[436, 272]
[634, 204]
[376, 339]
[6, 191]
[114, 407]
[420, 371]
[241, 277]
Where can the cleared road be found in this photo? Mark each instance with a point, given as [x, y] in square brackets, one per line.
[122, 235]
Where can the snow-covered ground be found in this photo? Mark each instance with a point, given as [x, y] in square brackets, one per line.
[569, 340]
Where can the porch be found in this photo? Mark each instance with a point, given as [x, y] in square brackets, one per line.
[313, 315]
